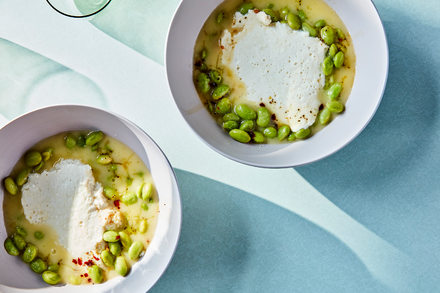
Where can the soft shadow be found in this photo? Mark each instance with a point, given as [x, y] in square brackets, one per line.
[233, 241]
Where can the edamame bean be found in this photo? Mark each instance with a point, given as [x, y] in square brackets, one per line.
[70, 141]
[10, 186]
[215, 76]
[223, 106]
[308, 28]
[204, 67]
[293, 21]
[258, 137]
[302, 133]
[110, 236]
[283, 132]
[53, 267]
[231, 117]
[33, 158]
[284, 12]
[291, 136]
[135, 249]
[81, 142]
[125, 239]
[220, 91]
[340, 34]
[240, 135]
[147, 191]
[22, 176]
[115, 248]
[339, 59]
[324, 116]
[21, 231]
[129, 198]
[30, 252]
[110, 192]
[328, 35]
[327, 66]
[204, 54]
[341, 47]
[334, 91]
[220, 17]
[47, 153]
[320, 23]
[333, 50]
[245, 8]
[121, 266]
[107, 258]
[95, 273]
[271, 13]
[75, 280]
[302, 15]
[247, 125]
[143, 226]
[51, 278]
[263, 117]
[335, 106]
[38, 265]
[10, 247]
[245, 112]
[229, 125]
[19, 242]
[271, 6]
[270, 132]
[94, 137]
[39, 166]
[104, 159]
[144, 206]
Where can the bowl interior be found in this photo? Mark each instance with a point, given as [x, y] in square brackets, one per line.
[19, 135]
[371, 49]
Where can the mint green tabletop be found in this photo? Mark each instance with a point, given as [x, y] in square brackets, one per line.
[366, 219]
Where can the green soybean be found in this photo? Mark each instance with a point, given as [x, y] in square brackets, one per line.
[327, 66]
[335, 106]
[30, 252]
[70, 141]
[340, 34]
[33, 158]
[215, 76]
[220, 91]
[81, 141]
[334, 91]
[47, 153]
[328, 35]
[220, 17]
[10, 186]
[104, 159]
[302, 133]
[258, 137]
[271, 6]
[107, 258]
[339, 59]
[271, 13]
[283, 132]
[245, 112]
[21, 231]
[144, 206]
[308, 28]
[229, 125]
[341, 48]
[75, 280]
[135, 249]
[19, 242]
[333, 50]
[291, 136]
[38, 265]
[284, 12]
[39, 166]
[240, 135]
[115, 248]
[125, 239]
[263, 117]
[51, 278]
[302, 15]
[247, 125]
[320, 23]
[53, 267]
[245, 8]
[324, 116]
[203, 54]
[95, 147]
[223, 106]
[95, 273]
[10, 247]
[231, 117]
[203, 67]
[147, 191]
[110, 236]
[129, 198]
[93, 138]
[293, 21]
[22, 176]
[110, 192]
[143, 226]
[121, 266]
[270, 132]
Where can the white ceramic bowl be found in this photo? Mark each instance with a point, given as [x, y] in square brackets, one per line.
[371, 49]
[20, 134]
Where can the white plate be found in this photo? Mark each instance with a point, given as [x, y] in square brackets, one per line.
[371, 49]
[20, 134]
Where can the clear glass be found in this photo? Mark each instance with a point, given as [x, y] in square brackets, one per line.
[78, 8]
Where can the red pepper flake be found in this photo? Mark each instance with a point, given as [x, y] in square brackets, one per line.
[116, 202]
[89, 280]
[82, 276]
[89, 263]
[222, 47]
[118, 237]
[86, 275]
[74, 261]
[80, 261]
[95, 258]
[256, 10]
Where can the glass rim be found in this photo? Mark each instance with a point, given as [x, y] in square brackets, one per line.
[78, 16]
